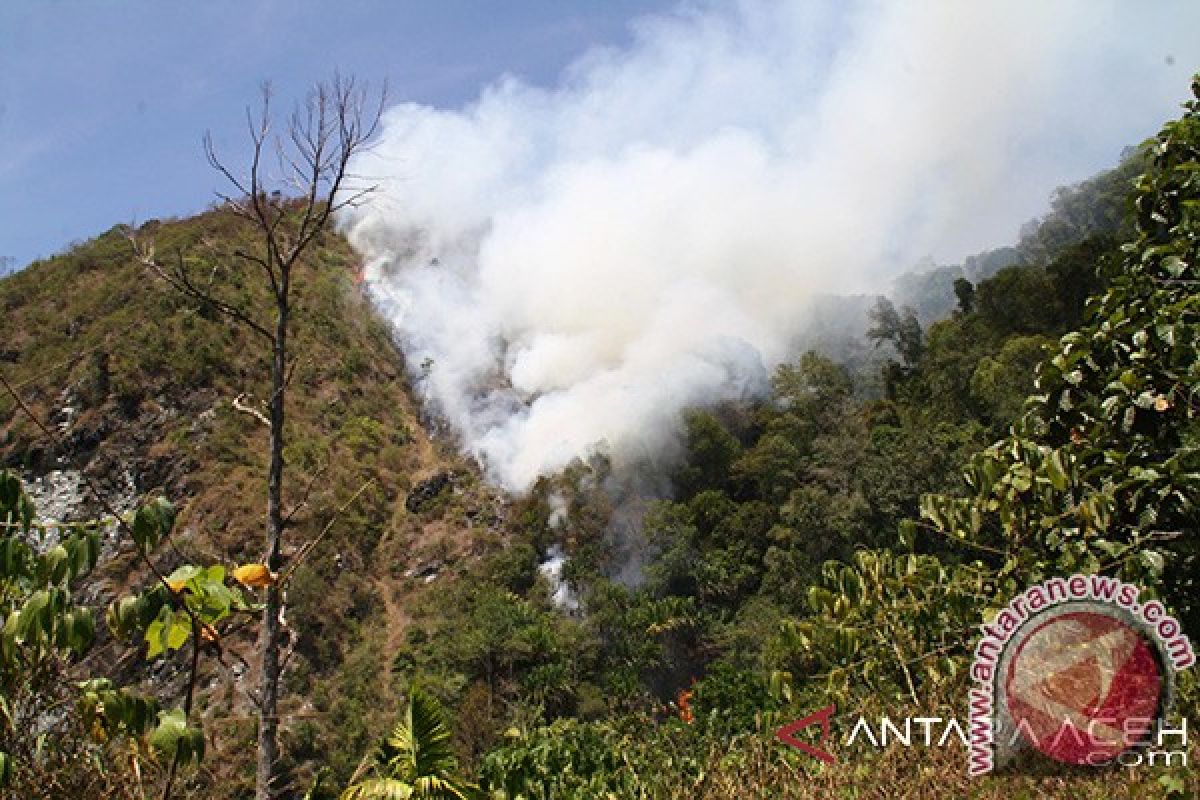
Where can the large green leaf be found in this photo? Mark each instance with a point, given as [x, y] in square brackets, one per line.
[175, 739]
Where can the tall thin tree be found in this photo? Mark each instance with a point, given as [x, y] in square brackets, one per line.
[297, 179]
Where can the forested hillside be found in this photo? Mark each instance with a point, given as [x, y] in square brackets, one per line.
[816, 549]
[837, 542]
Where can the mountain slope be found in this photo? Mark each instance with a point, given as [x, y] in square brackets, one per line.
[148, 394]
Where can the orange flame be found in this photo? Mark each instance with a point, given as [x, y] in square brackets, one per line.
[684, 701]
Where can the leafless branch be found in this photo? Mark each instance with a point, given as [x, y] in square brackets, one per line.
[178, 277]
[312, 481]
[310, 156]
[308, 548]
[238, 405]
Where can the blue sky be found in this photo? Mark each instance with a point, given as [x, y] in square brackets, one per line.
[102, 104]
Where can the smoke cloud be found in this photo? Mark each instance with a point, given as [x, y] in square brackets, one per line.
[567, 268]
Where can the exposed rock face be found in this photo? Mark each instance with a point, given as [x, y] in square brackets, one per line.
[61, 495]
[58, 495]
[425, 492]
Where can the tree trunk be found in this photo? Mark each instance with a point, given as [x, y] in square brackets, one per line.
[271, 637]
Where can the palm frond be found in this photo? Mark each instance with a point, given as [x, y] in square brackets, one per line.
[428, 736]
[417, 760]
[433, 787]
[379, 789]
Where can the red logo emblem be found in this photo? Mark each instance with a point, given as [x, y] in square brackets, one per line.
[787, 734]
[1084, 687]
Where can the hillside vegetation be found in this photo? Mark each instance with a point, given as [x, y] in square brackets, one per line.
[838, 542]
[143, 390]
[835, 545]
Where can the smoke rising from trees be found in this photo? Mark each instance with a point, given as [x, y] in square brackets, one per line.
[569, 267]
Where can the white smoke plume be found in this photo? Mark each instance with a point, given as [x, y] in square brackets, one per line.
[569, 267]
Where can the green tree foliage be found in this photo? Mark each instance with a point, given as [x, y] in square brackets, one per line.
[1096, 207]
[964, 292]
[49, 751]
[176, 610]
[1098, 471]
[1079, 272]
[41, 619]
[416, 761]
[887, 624]
[1103, 472]
[630, 757]
[901, 330]
[711, 448]
[1018, 299]
[1001, 382]
[44, 631]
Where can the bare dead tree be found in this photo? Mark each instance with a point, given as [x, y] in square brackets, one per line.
[297, 179]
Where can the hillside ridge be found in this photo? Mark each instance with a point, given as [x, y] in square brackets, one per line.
[147, 394]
